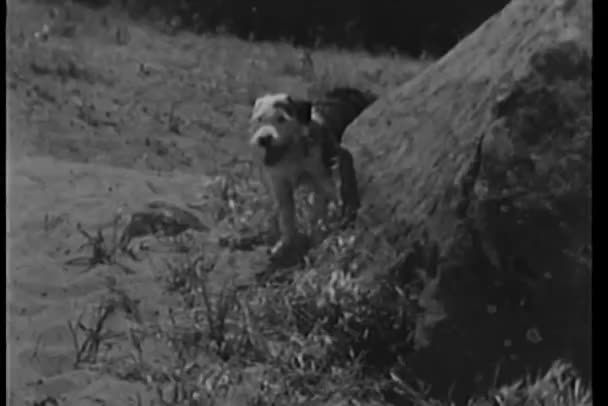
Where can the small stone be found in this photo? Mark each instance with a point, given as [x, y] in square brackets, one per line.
[533, 335]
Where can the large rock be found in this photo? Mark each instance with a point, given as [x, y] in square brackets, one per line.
[479, 170]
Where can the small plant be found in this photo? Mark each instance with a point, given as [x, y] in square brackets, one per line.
[560, 386]
[122, 36]
[94, 334]
[103, 252]
[175, 121]
[219, 315]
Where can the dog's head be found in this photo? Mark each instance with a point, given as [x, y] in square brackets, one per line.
[278, 120]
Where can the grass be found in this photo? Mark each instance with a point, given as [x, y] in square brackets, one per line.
[318, 337]
[186, 96]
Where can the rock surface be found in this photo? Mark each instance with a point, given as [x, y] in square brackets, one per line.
[479, 170]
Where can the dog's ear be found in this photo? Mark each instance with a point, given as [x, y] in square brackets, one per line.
[298, 109]
[301, 110]
[255, 106]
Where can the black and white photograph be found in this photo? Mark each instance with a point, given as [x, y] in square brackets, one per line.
[299, 203]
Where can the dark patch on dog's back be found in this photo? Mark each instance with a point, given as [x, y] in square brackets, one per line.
[338, 108]
[301, 110]
[357, 98]
[329, 150]
[341, 106]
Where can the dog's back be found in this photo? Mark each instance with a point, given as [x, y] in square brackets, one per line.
[332, 114]
[339, 107]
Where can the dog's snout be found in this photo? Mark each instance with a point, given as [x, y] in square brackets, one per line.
[265, 140]
[265, 136]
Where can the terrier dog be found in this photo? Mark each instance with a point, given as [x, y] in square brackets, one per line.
[299, 142]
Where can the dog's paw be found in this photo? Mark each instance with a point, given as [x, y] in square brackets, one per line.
[284, 254]
[320, 229]
[348, 215]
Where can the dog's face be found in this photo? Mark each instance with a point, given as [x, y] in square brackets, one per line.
[278, 122]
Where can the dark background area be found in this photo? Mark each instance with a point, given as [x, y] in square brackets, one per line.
[408, 26]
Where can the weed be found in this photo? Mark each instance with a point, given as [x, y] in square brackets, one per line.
[94, 334]
[102, 252]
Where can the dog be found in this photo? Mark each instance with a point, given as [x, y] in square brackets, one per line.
[300, 142]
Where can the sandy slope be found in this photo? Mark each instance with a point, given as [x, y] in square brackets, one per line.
[44, 293]
[47, 197]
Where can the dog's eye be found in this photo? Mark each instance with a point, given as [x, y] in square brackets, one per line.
[281, 119]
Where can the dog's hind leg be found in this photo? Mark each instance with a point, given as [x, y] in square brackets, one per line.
[324, 193]
[349, 191]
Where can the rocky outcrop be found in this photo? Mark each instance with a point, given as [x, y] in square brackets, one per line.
[479, 171]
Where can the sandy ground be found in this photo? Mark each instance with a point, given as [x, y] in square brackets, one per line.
[108, 117]
[47, 198]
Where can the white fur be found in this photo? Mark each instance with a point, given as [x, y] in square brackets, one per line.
[264, 106]
[266, 119]
[263, 131]
[316, 116]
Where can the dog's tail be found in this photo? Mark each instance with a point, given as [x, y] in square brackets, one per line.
[341, 106]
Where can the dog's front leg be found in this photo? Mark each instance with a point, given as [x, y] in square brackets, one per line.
[285, 213]
[274, 230]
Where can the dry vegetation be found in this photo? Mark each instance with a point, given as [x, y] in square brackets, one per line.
[172, 304]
